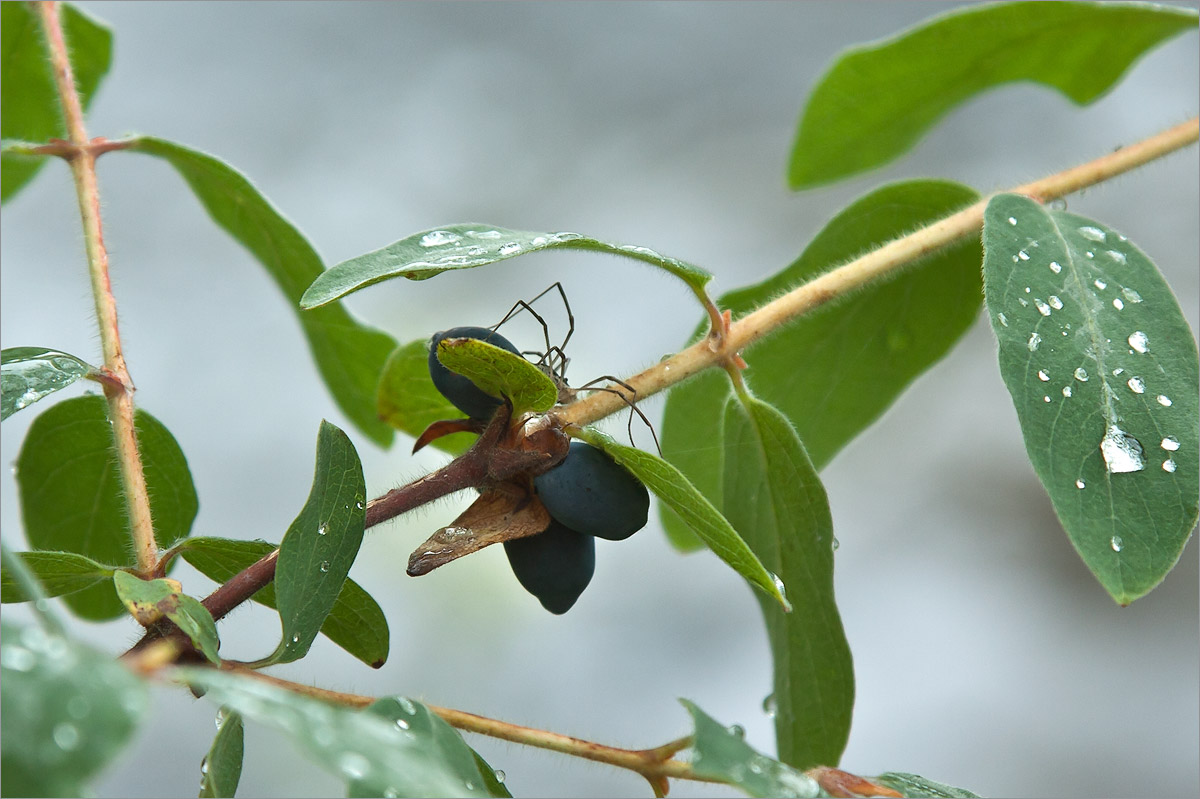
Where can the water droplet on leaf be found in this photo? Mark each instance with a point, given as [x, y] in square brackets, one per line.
[354, 765]
[1120, 306]
[1024, 256]
[1170, 443]
[439, 238]
[1042, 307]
[1080, 484]
[1066, 391]
[1034, 341]
[1164, 401]
[324, 566]
[1169, 465]
[1100, 284]
[1055, 267]
[1139, 341]
[510, 248]
[1136, 385]
[1043, 376]
[1092, 233]
[1055, 302]
[1012, 220]
[1002, 319]
[770, 706]
[1081, 375]
[1116, 543]
[1131, 295]
[1119, 257]
[1122, 452]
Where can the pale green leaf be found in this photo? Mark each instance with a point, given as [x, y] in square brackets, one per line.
[29, 373]
[499, 373]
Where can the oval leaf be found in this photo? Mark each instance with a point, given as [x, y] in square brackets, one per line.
[408, 401]
[58, 572]
[29, 373]
[150, 600]
[71, 495]
[877, 100]
[774, 498]
[1103, 371]
[500, 373]
[464, 246]
[670, 486]
[221, 769]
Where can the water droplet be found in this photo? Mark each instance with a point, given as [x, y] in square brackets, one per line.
[1164, 400]
[407, 705]
[66, 736]
[484, 234]
[323, 529]
[1046, 398]
[203, 766]
[1136, 385]
[1138, 341]
[324, 566]
[295, 639]
[1120, 306]
[770, 706]
[1043, 376]
[1116, 543]
[1170, 443]
[1100, 284]
[1055, 302]
[1066, 391]
[1058, 204]
[1042, 307]
[1081, 375]
[359, 504]
[470, 785]
[1024, 256]
[1080, 484]
[737, 731]
[390, 793]
[836, 544]
[1034, 341]
[402, 724]
[1121, 451]
[1024, 302]
[354, 765]
[476, 251]
[1002, 319]
[1027, 289]
[510, 248]
[439, 238]
[1055, 267]
[1090, 254]
[1092, 233]
[1169, 465]
[1117, 371]
[1012, 220]
[1131, 295]
[500, 776]
[1119, 257]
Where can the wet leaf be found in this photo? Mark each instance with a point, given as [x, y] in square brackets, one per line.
[1103, 371]
[879, 99]
[500, 373]
[29, 373]
[349, 355]
[408, 401]
[58, 572]
[150, 600]
[221, 769]
[71, 494]
[914, 785]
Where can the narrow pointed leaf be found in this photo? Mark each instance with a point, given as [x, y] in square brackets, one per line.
[915, 785]
[500, 373]
[719, 753]
[71, 494]
[58, 572]
[320, 546]
[68, 711]
[31, 108]
[348, 354]
[1103, 371]
[353, 744]
[222, 766]
[673, 489]
[356, 623]
[408, 401]
[879, 99]
[149, 600]
[465, 246]
[835, 370]
[774, 498]
[29, 373]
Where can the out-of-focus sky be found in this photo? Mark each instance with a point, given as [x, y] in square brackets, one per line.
[986, 655]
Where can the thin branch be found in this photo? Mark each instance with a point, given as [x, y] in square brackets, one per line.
[119, 392]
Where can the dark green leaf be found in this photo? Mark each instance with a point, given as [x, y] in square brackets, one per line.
[408, 400]
[58, 572]
[464, 246]
[673, 489]
[71, 494]
[776, 501]
[914, 785]
[67, 712]
[836, 369]
[720, 753]
[31, 108]
[359, 746]
[29, 373]
[221, 768]
[349, 354]
[500, 373]
[320, 546]
[150, 600]
[1103, 371]
[878, 99]
[356, 623]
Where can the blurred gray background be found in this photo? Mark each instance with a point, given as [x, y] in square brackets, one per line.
[986, 655]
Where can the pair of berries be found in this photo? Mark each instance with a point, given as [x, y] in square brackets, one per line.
[588, 496]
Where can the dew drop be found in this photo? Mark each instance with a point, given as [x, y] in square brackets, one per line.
[323, 529]
[1100, 284]
[402, 724]
[1066, 391]
[1169, 465]
[220, 719]
[1121, 451]
[1055, 267]
[469, 785]
[1002, 319]
[439, 238]
[770, 706]
[1081, 375]
[1120, 306]
[66, 736]
[1043, 376]
[1138, 341]
[324, 566]
[1164, 400]
[484, 234]
[1046, 398]
[407, 705]
[1090, 254]
[1131, 295]
[1116, 543]
[1170, 443]
[1024, 302]
[1058, 204]
[1136, 385]
[1117, 371]
[500, 776]
[354, 765]
[295, 639]
[1055, 302]
[1092, 233]
[1034, 341]
[737, 731]
[359, 504]
[1012, 220]
[1119, 257]
[1042, 307]
[203, 766]
[1080, 484]
[510, 248]
[1024, 256]
[836, 544]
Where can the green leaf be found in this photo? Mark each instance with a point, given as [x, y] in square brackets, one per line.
[356, 623]
[1103, 372]
[409, 402]
[71, 494]
[776, 501]
[914, 785]
[29, 373]
[30, 106]
[500, 373]
[349, 355]
[465, 246]
[320, 546]
[877, 100]
[720, 753]
[354, 744]
[221, 769]
[670, 486]
[67, 712]
[150, 600]
[836, 369]
[59, 573]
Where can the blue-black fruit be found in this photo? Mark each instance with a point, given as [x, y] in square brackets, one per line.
[465, 395]
[554, 565]
[592, 493]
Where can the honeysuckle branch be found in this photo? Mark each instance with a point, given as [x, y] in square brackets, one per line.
[81, 154]
[880, 263]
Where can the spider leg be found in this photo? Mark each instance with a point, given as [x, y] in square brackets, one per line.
[631, 401]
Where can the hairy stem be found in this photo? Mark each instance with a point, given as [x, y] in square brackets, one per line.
[119, 388]
[876, 264]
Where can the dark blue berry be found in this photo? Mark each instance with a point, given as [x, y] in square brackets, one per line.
[592, 493]
[465, 395]
[555, 565]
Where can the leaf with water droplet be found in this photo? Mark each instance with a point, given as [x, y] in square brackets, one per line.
[150, 600]
[916, 785]
[223, 763]
[720, 755]
[68, 710]
[408, 401]
[775, 499]
[499, 373]
[71, 494]
[29, 373]
[306, 592]
[58, 572]
[879, 99]
[1119, 360]
[673, 489]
